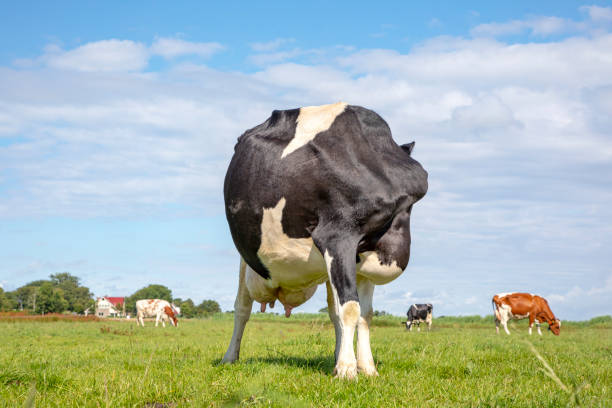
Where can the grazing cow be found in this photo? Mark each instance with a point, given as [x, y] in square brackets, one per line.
[158, 308]
[419, 313]
[321, 194]
[518, 306]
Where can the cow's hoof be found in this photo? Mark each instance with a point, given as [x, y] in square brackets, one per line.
[346, 371]
[368, 370]
[229, 359]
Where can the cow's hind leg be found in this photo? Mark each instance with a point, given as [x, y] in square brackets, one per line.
[339, 251]
[242, 312]
[365, 361]
[335, 318]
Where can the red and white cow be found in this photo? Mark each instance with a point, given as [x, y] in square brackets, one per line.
[518, 306]
[158, 308]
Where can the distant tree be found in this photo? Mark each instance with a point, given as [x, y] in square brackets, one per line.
[79, 297]
[323, 310]
[25, 297]
[148, 292]
[4, 300]
[380, 313]
[188, 308]
[7, 301]
[50, 299]
[66, 286]
[208, 307]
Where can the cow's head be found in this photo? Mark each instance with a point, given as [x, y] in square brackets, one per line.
[171, 315]
[555, 327]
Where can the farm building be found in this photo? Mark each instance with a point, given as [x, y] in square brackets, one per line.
[107, 306]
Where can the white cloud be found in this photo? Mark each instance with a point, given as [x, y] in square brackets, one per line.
[106, 55]
[174, 47]
[271, 45]
[545, 26]
[117, 55]
[540, 26]
[598, 14]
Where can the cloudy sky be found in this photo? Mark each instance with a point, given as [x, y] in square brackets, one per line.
[118, 120]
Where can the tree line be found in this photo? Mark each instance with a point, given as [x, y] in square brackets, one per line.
[63, 292]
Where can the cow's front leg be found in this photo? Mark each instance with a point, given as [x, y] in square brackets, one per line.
[538, 326]
[339, 249]
[365, 361]
[242, 312]
[505, 324]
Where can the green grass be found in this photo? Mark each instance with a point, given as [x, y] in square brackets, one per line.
[288, 363]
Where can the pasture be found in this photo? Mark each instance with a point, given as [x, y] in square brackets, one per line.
[288, 362]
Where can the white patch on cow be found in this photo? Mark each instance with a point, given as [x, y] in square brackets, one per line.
[346, 366]
[311, 121]
[372, 269]
[295, 264]
[365, 361]
[328, 262]
[257, 287]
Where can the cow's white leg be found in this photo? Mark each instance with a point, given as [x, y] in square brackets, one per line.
[505, 324]
[418, 326]
[339, 253]
[141, 318]
[539, 330]
[333, 315]
[157, 319]
[242, 312]
[365, 361]
[530, 326]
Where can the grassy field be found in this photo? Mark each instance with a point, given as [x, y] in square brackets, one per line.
[288, 363]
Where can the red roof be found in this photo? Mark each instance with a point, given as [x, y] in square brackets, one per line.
[115, 300]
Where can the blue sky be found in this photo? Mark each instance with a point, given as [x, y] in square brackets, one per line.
[117, 122]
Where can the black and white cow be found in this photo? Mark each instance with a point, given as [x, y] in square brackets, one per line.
[321, 194]
[419, 313]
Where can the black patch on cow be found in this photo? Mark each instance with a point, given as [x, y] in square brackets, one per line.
[351, 189]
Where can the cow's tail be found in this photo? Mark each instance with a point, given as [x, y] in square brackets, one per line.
[495, 303]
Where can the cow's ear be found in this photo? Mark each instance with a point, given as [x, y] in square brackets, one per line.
[408, 147]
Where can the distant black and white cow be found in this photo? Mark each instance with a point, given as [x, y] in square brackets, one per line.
[321, 194]
[419, 313]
